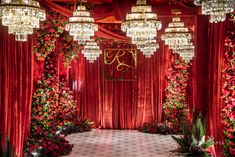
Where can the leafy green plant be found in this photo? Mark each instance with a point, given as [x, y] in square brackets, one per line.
[7, 151]
[193, 140]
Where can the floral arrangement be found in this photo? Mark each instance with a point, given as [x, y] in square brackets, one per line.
[67, 110]
[78, 126]
[53, 112]
[46, 114]
[175, 106]
[156, 127]
[232, 16]
[229, 95]
[70, 48]
[67, 119]
[46, 36]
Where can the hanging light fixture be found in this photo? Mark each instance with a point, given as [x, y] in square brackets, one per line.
[148, 47]
[178, 38]
[141, 24]
[176, 34]
[91, 51]
[217, 9]
[81, 26]
[186, 52]
[21, 17]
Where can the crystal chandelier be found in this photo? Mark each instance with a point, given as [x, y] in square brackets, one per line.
[81, 26]
[21, 17]
[217, 9]
[91, 51]
[148, 47]
[142, 25]
[178, 38]
[186, 52]
[176, 34]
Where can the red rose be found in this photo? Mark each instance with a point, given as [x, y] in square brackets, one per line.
[230, 136]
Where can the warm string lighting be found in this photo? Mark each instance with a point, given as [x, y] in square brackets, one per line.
[91, 51]
[142, 25]
[178, 38]
[81, 26]
[21, 17]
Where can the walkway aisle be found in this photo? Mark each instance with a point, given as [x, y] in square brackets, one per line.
[120, 143]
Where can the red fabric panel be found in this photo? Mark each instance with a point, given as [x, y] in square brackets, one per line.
[16, 88]
[217, 34]
[121, 104]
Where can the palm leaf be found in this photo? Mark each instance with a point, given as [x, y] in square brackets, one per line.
[210, 142]
[202, 141]
[180, 140]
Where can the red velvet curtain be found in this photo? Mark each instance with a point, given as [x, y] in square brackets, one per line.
[217, 35]
[121, 104]
[16, 85]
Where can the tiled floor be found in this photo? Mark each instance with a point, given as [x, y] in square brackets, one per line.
[120, 143]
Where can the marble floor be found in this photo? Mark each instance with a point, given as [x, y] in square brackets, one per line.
[120, 143]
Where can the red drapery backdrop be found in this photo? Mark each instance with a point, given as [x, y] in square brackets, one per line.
[121, 104]
[16, 85]
[217, 35]
[113, 104]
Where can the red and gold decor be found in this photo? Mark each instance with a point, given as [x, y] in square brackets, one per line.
[229, 95]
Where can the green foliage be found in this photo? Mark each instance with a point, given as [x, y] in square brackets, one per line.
[193, 140]
[7, 151]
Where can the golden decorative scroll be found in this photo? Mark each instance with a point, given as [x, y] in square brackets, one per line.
[117, 56]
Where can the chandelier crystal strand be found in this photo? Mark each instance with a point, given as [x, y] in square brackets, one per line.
[141, 25]
[91, 51]
[186, 52]
[217, 9]
[81, 26]
[21, 17]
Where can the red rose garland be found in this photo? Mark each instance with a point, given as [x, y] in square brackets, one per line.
[48, 33]
[175, 106]
[229, 95]
[70, 48]
[45, 114]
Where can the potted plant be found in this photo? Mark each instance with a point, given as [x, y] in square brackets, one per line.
[193, 141]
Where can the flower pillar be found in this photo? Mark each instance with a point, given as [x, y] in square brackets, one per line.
[175, 106]
[229, 95]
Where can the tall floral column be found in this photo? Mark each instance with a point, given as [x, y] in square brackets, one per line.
[45, 114]
[229, 95]
[175, 106]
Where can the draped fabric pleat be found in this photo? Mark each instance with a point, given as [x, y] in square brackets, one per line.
[217, 35]
[121, 104]
[16, 83]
